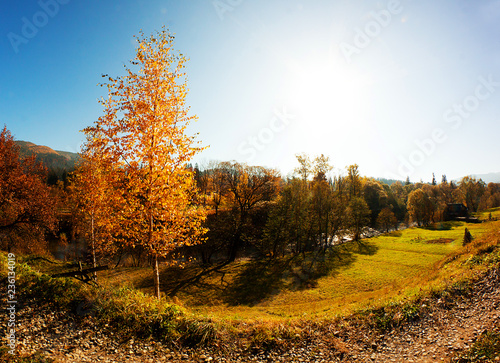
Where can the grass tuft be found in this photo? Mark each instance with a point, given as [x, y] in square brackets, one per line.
[129, 311]
[485, 349]
[38, 357]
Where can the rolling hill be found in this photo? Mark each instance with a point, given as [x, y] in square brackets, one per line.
[488, 178]
[56, 161]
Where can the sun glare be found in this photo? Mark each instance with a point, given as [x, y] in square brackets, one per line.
[328, 95]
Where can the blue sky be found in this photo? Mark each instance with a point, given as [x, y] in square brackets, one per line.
[398, 87]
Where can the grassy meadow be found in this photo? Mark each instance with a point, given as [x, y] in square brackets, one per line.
[353, 276]
[379, 282]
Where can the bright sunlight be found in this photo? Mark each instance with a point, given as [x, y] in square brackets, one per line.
[329, 91]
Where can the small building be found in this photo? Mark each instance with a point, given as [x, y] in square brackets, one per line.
[455, 211]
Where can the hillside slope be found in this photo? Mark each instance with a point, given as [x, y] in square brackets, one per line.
[489, 178]
[65, 322]
[447, 328]
[54, 160]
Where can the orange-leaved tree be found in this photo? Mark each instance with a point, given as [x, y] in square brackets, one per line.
[143, 135]
[27, 208]
[95, 198]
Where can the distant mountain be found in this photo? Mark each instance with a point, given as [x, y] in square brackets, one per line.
[56, 162]
[488, 178]
[389, 181]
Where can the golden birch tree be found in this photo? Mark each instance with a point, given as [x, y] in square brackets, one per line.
[95, 199]
[143, 133]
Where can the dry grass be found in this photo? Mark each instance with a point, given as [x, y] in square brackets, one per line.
[266, 303]
[355, 276]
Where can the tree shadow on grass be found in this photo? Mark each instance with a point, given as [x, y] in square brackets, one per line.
[251, 282]
[259, 280]
[363, 247]
[442, 226]
[173, 279]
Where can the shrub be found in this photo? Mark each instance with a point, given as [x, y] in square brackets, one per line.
[485, 349]
[127, 310]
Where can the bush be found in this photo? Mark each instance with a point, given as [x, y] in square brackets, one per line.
[485, 349]
[129, 311]
[394, 315]
[5, 356]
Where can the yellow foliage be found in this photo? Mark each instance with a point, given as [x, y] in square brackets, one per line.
[141, 137]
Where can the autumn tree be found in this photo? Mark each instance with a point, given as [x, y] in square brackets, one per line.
[339, 205]
[437, 201]
[420, 207]
[376, 197]
[386, 219]
[216, 184]
[491, 197]
[143, 136]
[305, 166]
[27, 208]
[321, 210]
[313, 215]
[357, 216]
[399, 196]
[284, 226]
[321, 167]
[290, 224]
[471, 191]
[220, 220]
[95, 198]
[446, 191]
[354, 181]
[301, 216]
[202, 177]
[322, 200]
[247, 186]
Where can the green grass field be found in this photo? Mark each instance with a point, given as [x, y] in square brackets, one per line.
[353, 276]
[380, 282]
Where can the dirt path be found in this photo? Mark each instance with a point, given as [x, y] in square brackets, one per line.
[443, 332]
[438, 336]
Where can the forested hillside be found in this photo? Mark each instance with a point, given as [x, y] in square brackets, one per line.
[58, 163]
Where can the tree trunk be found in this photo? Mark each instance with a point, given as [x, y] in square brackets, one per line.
[236, 239]
[235, 246]
[156, 273]
[119, 259]
[93, 249]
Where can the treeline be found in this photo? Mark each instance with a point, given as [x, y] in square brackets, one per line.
[256, 210]
[250, 210]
